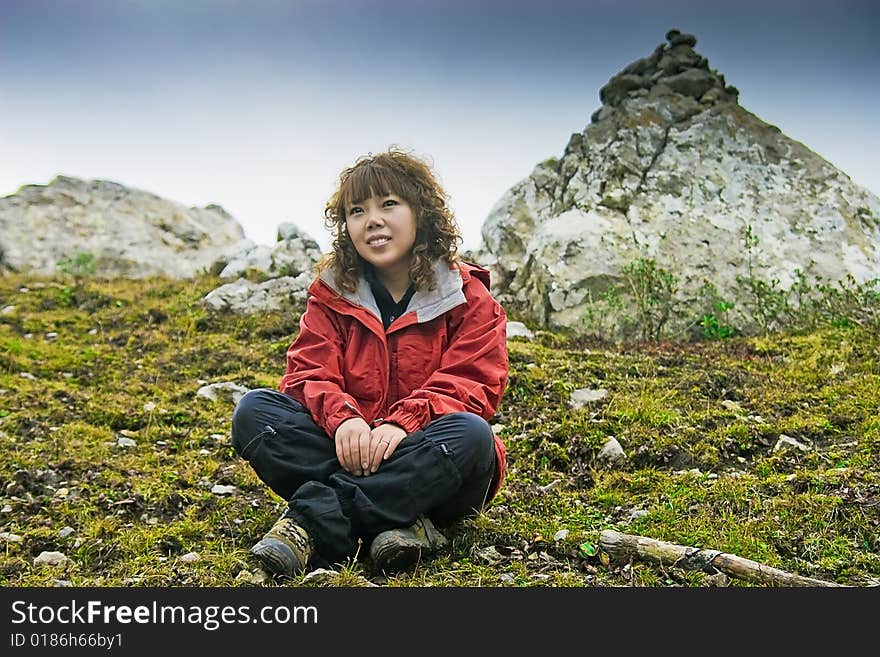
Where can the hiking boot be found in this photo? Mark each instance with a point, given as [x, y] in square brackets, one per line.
[398, 549]
[285, 549]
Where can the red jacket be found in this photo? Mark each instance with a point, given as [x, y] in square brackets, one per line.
[447, 353]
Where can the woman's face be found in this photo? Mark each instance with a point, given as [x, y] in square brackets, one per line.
[383, 231]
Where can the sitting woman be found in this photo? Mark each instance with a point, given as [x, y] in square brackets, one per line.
[379, 427]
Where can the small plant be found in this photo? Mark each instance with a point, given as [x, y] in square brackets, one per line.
[602, 313]
[653, 290]
[82, 264]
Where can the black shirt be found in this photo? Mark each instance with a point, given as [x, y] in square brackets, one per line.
[387, 307]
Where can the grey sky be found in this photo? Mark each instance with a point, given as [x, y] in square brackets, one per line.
[258, 105]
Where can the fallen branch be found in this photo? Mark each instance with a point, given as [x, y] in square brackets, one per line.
[623, 547]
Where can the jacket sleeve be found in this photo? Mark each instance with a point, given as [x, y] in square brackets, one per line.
[314, 370]
[473, 369]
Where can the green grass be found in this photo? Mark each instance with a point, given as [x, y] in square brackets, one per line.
[697, 421]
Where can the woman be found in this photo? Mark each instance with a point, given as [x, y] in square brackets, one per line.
[379, 427]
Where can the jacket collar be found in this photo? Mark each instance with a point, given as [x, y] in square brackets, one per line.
[426, 304]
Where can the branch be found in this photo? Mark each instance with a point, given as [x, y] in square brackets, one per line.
[623, 547]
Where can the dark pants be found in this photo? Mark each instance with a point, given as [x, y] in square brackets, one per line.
[442, 471]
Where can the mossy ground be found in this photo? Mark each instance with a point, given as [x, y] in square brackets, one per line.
[83, 364]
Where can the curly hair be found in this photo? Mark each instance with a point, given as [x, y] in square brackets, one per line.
[409, 177]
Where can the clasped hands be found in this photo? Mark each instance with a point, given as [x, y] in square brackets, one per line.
[361, 450]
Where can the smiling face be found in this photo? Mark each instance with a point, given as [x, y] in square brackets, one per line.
[383, 231]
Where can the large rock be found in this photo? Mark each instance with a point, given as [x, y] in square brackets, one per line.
[293, 253]
[108, 229]
[672, 169]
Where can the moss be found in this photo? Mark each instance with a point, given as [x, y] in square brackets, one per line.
[129, 357]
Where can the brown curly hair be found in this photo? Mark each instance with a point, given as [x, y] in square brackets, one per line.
[411, 178]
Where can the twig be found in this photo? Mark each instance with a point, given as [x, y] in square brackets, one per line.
[623, 547]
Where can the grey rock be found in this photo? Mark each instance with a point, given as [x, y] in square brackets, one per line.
[519, 330]
[584, 396]
[678, 177]
[50, 558]
[226, 390]
[104, 228]
[611, 452]
[244, 297]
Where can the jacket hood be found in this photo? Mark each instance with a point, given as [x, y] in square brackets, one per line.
[426, 304]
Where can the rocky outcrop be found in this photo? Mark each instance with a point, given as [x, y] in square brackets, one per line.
[673, 170]
[294, 252]
[108, 229]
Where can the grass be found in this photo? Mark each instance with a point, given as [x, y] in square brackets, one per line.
[84, 365]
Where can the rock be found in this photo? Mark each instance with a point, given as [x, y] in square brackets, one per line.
[190, 557]
[518, 330]
[255, 578]
[10, 538]
[220, 489]
[65, 532]
[246, 298]
[611, 452]
[561, 535]
[325, 577]
[787, 444]
[584, 396]
[104, 228]
[226, 390]
[293, 254]
[673, 171]
[47, 558]
[122, 441]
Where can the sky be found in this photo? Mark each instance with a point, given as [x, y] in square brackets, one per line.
[258, 105]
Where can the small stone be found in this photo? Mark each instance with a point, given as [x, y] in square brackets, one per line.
[7, 309]
[62, 583]
[787, 443]
[47, 558]
[190, 557]
[67, 531]
[10, 538]
[6, 509]
[149, 406]
[52, 335]
[219, 489]
[28, 376]
[611, 451]
[583, 396]
[561, 535]
[122, 441]
[259, 576]
[519, 330]
[93, 331]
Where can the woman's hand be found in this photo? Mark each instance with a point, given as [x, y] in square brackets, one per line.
[384, 439]
[353, 442]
